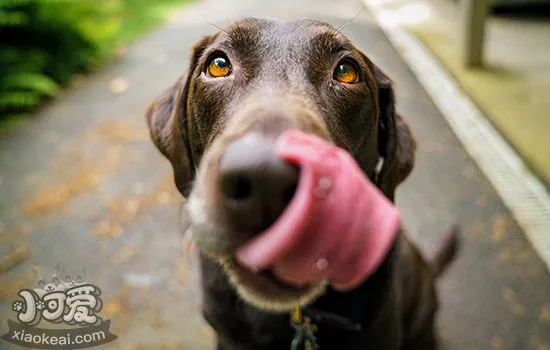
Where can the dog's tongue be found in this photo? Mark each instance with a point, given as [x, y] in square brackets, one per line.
[338, 226]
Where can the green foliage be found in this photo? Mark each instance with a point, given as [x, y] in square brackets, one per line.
[138, 16]
[44, 42]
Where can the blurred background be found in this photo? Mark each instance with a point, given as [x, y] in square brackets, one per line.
[82, 184]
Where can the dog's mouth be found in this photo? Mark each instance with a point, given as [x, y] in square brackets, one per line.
[337, 227]
[266, 291]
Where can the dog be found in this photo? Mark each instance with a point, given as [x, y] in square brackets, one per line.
[262, 77]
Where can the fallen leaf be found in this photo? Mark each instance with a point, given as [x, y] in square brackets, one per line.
[116, 306]
[58, 196]
[499, 231]
[119, 85]
[14, 257]
[496, 343]
[512, 302]
[108, 229]
[120, 132]
[124, 254]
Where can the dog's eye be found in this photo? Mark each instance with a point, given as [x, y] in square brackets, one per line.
[218, 67]
[346, 73]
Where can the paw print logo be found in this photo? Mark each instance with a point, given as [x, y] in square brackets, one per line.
[53, 304]
[40, 305]
[17, 306]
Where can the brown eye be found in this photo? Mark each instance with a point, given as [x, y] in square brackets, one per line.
[346, 73]
[218, 67]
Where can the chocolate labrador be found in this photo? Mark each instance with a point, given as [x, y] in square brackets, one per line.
[263, 77]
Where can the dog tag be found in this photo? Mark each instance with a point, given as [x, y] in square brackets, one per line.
[304, 338]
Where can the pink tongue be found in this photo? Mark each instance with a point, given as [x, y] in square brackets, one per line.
[338, 226]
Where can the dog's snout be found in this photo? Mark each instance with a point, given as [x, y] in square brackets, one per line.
[254, 183]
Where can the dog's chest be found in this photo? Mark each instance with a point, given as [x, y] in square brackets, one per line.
[242, 327]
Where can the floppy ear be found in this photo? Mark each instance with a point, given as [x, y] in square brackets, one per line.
[167, 120]
[396, 145]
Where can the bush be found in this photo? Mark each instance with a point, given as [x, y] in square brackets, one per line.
[44, 42]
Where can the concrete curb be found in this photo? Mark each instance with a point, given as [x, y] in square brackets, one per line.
[524, 195]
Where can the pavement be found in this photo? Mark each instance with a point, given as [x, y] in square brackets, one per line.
[513, 86]
[82, 184]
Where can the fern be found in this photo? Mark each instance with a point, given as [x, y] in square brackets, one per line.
[13, 18]
[12, 99]
[31, 81]
[43, 43]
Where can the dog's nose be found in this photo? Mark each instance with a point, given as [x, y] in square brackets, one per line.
[255, 184]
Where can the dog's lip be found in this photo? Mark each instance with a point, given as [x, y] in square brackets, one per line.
[265, 276]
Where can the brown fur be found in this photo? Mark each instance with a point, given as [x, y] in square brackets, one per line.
[282, 79]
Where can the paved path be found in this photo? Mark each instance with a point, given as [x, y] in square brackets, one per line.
[82, 184]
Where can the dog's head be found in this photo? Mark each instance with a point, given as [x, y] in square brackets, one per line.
[245, 86]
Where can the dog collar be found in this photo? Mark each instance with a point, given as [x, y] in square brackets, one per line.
[331, 320]
[304, 323]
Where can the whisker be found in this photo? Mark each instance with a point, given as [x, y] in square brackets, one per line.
[216, 26]
[351, 20]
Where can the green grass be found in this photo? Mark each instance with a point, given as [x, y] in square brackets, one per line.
[515, 101]
[140, 16]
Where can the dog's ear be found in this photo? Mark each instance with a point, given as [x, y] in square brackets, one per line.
[167, 120]
[396, 145]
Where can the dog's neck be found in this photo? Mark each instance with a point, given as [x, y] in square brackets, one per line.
[355, 310]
